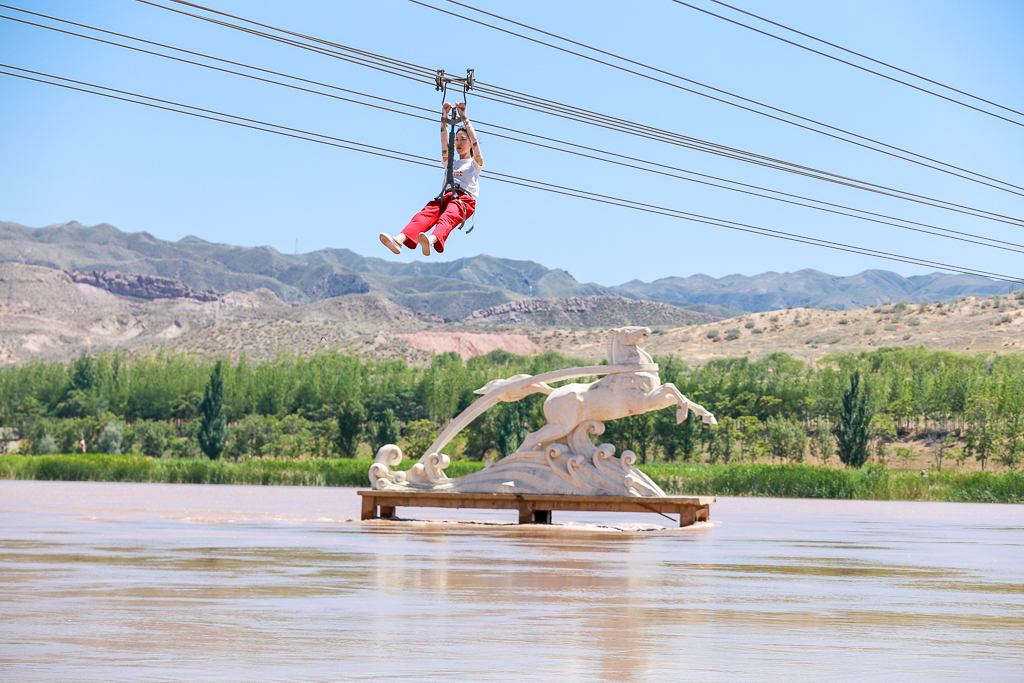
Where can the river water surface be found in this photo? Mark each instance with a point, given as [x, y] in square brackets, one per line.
[153, 582]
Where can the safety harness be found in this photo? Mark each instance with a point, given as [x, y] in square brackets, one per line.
[452, 121]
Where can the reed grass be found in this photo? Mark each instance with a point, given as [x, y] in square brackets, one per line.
[873, 482]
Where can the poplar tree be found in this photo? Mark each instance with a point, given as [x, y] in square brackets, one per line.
[510, 429]
[853, 431]
[212, 419]
[351, 416]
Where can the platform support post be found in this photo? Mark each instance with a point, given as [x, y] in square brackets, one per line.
[530, 515]
[687, 515]
[690, 514]
[369, 507]
[387, 512]
[525, 513]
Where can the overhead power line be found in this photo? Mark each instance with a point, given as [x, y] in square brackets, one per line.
[648, 166]
[857, 54]
[517, 99]
[263, 126]
[838, 133]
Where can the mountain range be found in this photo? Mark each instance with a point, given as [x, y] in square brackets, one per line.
[468, 285]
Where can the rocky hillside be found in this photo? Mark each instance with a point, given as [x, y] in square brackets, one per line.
[449, 289]
[49, 314]
[776, 291]
[969, 325]
[452, 289]
[53, 314]
[45, 314]
[141, 286]
[591, 311]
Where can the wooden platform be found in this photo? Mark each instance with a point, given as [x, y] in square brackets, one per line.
[533, 508]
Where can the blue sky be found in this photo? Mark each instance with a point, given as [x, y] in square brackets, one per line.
[72, 156]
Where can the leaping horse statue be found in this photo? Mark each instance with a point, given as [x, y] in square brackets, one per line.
[559, 457]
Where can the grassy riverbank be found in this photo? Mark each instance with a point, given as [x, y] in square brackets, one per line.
[872, 482]
[143, 469]
[787, 481]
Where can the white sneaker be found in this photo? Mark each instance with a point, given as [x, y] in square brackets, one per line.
[390, 242]
[426, 241]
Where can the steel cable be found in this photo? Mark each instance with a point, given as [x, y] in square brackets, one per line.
[725, 92]
[852, 52]
[527, 141]
[351, 145]
[530, 142]
[629, 127]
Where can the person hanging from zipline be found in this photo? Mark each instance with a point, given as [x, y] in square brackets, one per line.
[455, 204]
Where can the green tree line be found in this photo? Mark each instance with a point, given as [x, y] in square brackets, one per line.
[775, 408]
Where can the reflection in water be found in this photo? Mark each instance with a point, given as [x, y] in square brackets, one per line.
[106, 582]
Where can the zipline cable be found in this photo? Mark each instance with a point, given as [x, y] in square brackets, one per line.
[220, 69]
[915, 160]
[590, 118]
[396, 64]
[263, 126]
[211, 115]
[529, 142]
[852, 52]
[768, 162]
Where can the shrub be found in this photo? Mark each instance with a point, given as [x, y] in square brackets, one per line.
[787, 438]
[110, 438]
[869, 330]
[749, 324]
[351, 415]
[383, 431]
[905, 454]
[45, 446]
[844, 321]
[757, 330]
[913, 321]
[890, 328]
[713, 335]
[418, 437]
[150, 437]
[822, 443]
[732, 334]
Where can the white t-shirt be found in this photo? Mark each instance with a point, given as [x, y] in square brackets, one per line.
[467, 176]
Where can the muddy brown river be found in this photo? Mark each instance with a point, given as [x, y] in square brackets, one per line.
[154, 582]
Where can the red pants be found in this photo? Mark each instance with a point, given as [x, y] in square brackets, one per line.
[445, 213]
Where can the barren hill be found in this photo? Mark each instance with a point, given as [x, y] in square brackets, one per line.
[970, 325]
[450, 289]
[57, 315]
[591, 311]
[134, 291]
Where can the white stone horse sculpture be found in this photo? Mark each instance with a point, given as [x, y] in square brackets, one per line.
[559, 458]
[612, 397]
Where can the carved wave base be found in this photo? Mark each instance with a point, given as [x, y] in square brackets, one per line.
[573, 468]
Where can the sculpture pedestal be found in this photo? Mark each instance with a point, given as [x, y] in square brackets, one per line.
[536, 508]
